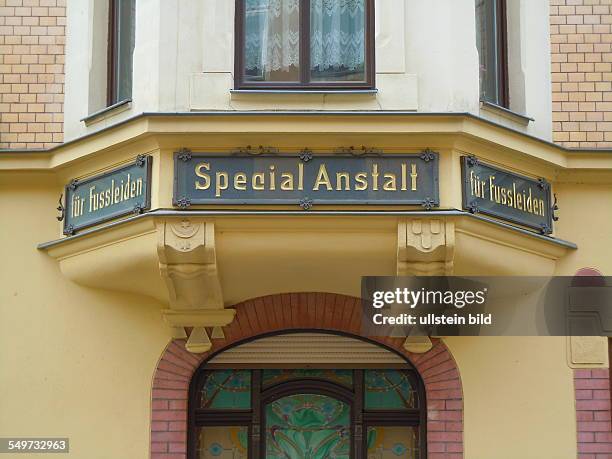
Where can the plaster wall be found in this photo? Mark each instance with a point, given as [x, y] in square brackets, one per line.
[79, 361]
[426, 61]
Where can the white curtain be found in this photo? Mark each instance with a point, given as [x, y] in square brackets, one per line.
[272, 35]
[337, 34]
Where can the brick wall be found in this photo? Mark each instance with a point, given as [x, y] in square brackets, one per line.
[581, 42]
[593, 413]
[31, 73]
[303, 311]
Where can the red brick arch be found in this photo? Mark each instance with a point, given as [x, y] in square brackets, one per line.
[303, 311]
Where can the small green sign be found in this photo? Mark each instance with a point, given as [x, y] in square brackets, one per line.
[116, 193]
[506, 195]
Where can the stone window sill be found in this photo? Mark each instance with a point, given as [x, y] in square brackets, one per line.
[304, 91]
[107, 112]
[506, 113]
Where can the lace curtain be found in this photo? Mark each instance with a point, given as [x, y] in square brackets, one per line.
[272, 35]
[337, 34]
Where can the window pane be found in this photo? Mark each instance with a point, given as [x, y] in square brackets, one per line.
[224, 389]
[344, 377]
[486, 40]
[388, 390]
[223, 442]
[309, 426]
[393, 442]
[272, 40]
[337, 40]
[125, 17]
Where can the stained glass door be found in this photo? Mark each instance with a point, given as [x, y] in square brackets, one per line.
[307, 426]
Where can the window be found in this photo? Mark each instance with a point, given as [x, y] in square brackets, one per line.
[314, 413]
[492, 50]
[120, 50]
[305, 44]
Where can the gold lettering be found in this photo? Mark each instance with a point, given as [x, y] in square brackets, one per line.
[93, 205]
[413, 177]
[542, 207]
[272, 178]
[240, 181]
[205, 177]
[287, 181]
[528, 204]
[221, 184]
[375, 177]
[361, 180]
[404, 177]
[139, 187]
[258, 181]
[340, 177]
[300, 176]
[322, 179]
[390, 182]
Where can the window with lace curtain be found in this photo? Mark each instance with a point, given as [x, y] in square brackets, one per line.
[307, 44]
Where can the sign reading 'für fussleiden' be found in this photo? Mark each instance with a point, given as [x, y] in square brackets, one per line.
[506, 195]
[306, 180]
[113, 194]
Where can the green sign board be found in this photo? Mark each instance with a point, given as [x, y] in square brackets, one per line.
[503, 194]
[113, 194]
[305, 179]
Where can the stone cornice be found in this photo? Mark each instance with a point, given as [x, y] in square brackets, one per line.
[452, 130]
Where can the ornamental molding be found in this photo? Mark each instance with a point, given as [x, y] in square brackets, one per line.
[188, 266]
[425, 247]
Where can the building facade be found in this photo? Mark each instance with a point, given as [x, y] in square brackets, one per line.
[192, 192]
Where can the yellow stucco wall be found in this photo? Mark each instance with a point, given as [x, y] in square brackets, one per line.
[75, 362]
[78, 362]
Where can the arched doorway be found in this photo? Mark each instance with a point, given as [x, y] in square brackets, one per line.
[300, 312]
[307, 395]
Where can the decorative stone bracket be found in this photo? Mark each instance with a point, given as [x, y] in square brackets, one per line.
[188, 265]
[425, 247]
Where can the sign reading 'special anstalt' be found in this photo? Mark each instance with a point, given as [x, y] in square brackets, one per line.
[506, 195]
[113, 194]
[305, 179]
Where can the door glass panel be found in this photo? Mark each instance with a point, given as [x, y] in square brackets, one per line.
[226, 442]
[388, 390]
[344, 377]
[393, 442]
[308, 426]
[337, 40]
[227, 389]
[272, 40]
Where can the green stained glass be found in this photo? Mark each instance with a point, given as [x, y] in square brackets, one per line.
[344, 377]
[229, 442]
[388, 390]
[308, 426]
[393, 442]
[227, 389]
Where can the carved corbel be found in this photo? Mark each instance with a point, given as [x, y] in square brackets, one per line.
[425, 247]
[188, 265]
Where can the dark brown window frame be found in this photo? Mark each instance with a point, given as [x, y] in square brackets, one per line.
[361, 418]
[502, 52]
[112, 84]
[111, 57]
[304, 84]
[501, 49]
